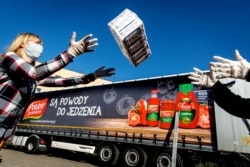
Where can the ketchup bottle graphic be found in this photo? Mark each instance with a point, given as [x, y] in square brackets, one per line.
[153, 109]
[187, 104]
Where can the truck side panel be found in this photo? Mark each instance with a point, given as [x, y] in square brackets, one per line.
[233, 133]
[103, 110]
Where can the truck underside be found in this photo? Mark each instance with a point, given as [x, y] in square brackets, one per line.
[131, 148]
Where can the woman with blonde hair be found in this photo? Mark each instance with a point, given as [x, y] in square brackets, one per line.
[19, 76]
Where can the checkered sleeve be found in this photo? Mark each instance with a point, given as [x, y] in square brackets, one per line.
[58, 81]
[44, 70]
[17, 65]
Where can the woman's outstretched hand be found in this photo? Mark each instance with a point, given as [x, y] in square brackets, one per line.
[86, 44]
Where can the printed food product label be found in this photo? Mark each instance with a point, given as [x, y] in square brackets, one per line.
[166, 116]
[187, 116]
[153, 111]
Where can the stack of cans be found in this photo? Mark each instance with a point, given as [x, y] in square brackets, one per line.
[129, 32]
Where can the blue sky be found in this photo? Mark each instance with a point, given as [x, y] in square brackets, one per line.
[182, 34]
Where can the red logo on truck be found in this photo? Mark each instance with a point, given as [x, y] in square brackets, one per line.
[36, 109]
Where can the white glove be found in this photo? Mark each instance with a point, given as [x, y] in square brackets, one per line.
[199, 78]
[84, 45]
[229, 68]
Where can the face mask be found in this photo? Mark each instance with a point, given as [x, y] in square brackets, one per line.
[33, 50]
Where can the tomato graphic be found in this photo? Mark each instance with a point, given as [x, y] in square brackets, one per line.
[133, 117]
[141, 107]
[109, 96]
[206, 120]
[137, 115]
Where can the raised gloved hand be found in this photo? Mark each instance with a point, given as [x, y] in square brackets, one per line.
[229, 68]
[101, 72]
[82, 46]
[199, 78]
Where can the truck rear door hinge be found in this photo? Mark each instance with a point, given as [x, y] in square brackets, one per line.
[183, 140]
[155, 139]
[140, 139]
[126, 137]
[199, 140]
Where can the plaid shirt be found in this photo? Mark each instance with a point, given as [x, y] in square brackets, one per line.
[18, 81]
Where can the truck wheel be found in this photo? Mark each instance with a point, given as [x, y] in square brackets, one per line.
[31, 145]
[108, 154]
[164, 159]
[134, 157]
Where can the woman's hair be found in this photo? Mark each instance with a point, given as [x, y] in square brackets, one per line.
[20, 39]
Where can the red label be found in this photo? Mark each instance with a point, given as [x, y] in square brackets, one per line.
[153, 108]
[36, 109]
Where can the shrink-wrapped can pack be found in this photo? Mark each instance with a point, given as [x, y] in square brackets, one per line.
[129, 32]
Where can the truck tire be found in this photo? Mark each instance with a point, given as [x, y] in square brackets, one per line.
[164, 159]
[134, 157]
[31, 145]
[108, 154]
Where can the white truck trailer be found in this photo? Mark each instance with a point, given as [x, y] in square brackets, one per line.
[94, 120]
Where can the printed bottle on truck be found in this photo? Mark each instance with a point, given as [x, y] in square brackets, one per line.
[153, 109]
[187, 105]
[167, 113]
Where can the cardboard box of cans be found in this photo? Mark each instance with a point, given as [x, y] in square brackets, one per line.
[129, 32]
